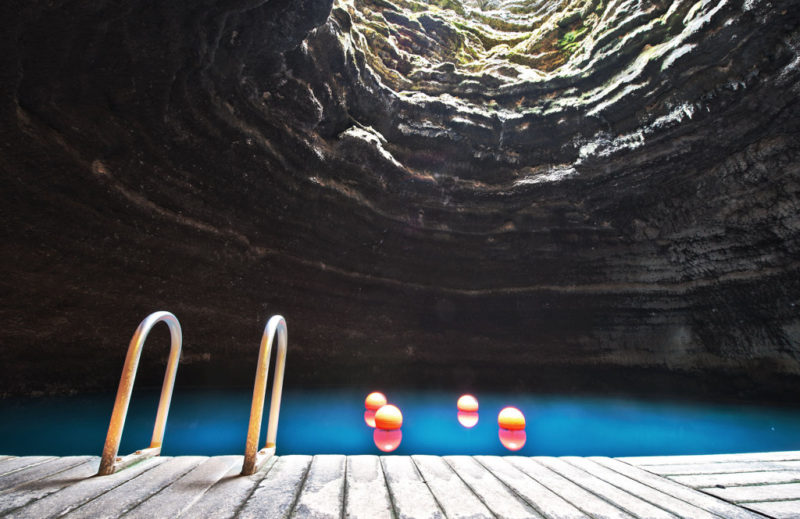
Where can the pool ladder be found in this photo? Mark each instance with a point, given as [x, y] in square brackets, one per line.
[254, 459]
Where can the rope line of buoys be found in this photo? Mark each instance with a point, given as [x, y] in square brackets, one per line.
[387, 421]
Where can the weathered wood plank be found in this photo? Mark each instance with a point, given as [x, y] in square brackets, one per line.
[37, 489]
[455, 498]
[418, 487]
[489, 489]
[628, 502]
[367, 496]
[80, 491]
[39, 471]
[173, 500]
[712, 458]
[120, 499]
[552, 493]
[779, 492]
[706, 502]
[777, 509]
[229, 494]
[662, 500]
[11, 465]
[723, 467]
[411, 497]
[322, 495]
[277, 492]
[738, 479]
[547, 503]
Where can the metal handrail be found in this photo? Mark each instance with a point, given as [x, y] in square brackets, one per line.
[253, 460]
[110, 463]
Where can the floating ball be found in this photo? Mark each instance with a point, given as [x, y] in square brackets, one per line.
[511, 418]
[387, 441]
[388, 418]
[369, 418]
[468, 419]
[467, 403]
[375, 401]
[512, 440]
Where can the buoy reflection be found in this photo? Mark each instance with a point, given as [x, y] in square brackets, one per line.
[387, 441]
[369, 418]
[512, 440]
[468, 418]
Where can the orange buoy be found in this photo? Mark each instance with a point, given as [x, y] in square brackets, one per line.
[511, 418]
[513, 440]
[388, 418]
[468, 419]
[369, 418]
[467, 403]
[375, 401]
[387, 441]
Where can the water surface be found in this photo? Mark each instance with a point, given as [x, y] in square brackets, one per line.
[214, 422]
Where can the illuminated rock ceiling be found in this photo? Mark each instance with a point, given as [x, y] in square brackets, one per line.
[548, 195]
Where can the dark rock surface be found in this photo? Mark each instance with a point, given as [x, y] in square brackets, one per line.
[581, 195]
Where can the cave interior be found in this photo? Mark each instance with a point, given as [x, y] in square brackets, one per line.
[595, 196]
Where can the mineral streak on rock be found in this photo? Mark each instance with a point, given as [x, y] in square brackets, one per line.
[577, 194]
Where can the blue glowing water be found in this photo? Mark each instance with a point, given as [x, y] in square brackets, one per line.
[215, 422]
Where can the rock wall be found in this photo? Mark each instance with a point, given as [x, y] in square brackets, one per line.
[579, 195]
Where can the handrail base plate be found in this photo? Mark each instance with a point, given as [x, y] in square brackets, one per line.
[262, 457]
[131, 459]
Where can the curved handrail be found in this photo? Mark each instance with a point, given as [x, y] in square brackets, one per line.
[253, 460]
[110, 463]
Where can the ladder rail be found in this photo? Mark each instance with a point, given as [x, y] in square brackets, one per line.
[254, 459]
[109, 462]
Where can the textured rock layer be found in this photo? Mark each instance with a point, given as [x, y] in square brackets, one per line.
[593, 195]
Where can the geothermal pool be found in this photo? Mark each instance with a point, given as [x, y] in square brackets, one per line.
[214, 422]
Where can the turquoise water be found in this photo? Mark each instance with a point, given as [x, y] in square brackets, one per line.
[215, 422]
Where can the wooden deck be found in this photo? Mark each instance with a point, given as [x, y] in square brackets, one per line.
[372, 487]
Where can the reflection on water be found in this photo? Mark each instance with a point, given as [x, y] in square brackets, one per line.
[512, 440]
[387, 440]
[468, 419]
[215, 422]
